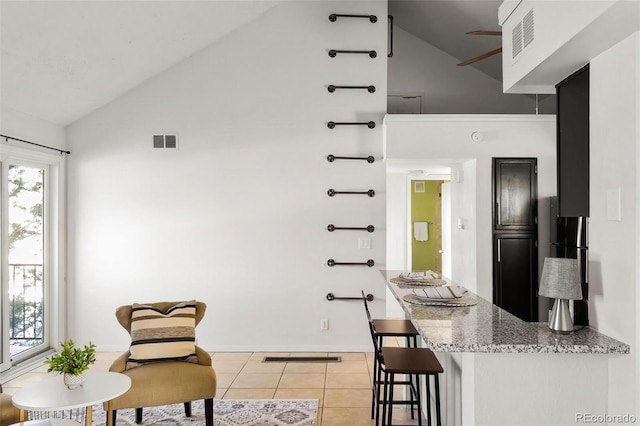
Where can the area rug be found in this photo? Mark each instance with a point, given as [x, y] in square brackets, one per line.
[226, 412]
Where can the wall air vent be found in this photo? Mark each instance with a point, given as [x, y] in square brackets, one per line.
[522, 34]
[528, 33]
[516, 40]
[165, 141]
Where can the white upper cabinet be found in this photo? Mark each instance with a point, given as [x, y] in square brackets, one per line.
[545, 41]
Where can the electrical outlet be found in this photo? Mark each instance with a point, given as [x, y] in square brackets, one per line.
[324, 324]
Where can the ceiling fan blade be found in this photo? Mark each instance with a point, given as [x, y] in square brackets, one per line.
[484, 32]
[480, 57]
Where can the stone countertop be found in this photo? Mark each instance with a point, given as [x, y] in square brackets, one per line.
[487, 328]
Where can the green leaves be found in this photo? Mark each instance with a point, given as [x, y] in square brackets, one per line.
[72, 360]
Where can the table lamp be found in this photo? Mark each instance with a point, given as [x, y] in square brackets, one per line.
[561, 281]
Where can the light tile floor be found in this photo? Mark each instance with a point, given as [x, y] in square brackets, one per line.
[343, 389]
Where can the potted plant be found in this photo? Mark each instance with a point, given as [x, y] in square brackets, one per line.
[72, 362]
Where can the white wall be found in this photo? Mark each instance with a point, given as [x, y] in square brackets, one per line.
[613, 245]
[22, 126]
[419, 68]
[447, 137]
[237, 216]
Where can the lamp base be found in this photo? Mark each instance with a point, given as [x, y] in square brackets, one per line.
[560, 319]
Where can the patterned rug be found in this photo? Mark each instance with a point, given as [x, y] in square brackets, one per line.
[226, 412]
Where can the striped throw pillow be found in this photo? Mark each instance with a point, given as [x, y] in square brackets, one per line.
[158, 336]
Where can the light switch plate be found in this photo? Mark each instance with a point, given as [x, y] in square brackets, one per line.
[364, 243]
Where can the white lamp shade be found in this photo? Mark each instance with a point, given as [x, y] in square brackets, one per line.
[561, 279]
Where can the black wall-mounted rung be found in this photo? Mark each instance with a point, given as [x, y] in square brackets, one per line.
[331, 227]
[390, 54]
[332, 88]
[331, 296]
[368, 263]
[333, 124]
[370, 193]
[334, 17]
[331, 158]
[372, 53]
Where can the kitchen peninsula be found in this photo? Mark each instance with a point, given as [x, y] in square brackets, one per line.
[500, 370]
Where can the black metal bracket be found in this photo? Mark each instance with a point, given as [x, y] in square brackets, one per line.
[368, 263]
[333, 124]
[372, 53]
[390, 54]
[331, 296]
[370, 193]
[332, 88]
[331, 158]
[331, 227]
[334, 17]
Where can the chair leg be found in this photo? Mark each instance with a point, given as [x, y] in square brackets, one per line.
[379, 383]
[138, 415]
[374, 394]
[418, 399]
[385, 399]
[112, 420]
[428, 387]
[187, 409]
[437, 391]
[208, 411]
[391, 384]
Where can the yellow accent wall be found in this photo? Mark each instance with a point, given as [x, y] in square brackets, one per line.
[426, 207]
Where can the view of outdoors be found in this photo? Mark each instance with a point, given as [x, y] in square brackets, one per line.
[26, 256]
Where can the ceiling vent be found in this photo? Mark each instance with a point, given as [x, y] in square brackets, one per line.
[165, 141]
[522, 34]
[527, 27]
[516, 38]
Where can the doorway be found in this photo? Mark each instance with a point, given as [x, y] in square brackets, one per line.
[426, 225]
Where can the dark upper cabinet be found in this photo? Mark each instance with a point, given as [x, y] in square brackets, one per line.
[515, 274]
[573, 144]
[515, 194]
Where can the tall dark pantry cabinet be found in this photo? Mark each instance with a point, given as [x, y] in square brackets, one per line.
[515, 236]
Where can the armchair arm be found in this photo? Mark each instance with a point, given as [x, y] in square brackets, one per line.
[203, 356]
[120, 364]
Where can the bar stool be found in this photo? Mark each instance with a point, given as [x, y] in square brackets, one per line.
[412, 361]
[387, 328]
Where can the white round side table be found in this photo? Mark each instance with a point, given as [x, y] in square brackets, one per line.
[51, 394]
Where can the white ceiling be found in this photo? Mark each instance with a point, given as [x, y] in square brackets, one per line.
[63, 59]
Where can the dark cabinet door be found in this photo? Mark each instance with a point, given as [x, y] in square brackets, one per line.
[573, 144]
[515, 274]
[515, 194]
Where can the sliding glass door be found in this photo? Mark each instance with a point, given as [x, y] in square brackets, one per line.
[27, 252]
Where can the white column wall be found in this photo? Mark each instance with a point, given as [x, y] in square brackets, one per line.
[613, 245]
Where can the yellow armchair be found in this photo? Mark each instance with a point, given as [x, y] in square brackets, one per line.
[165, 382]
[9, 414]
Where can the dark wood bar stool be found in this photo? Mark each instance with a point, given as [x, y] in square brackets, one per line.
[414, 362]
[387, 328]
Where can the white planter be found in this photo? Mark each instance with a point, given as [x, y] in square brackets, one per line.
[73, 382]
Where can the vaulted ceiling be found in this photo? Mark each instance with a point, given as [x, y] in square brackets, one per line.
[63, 59]
[443, 23]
